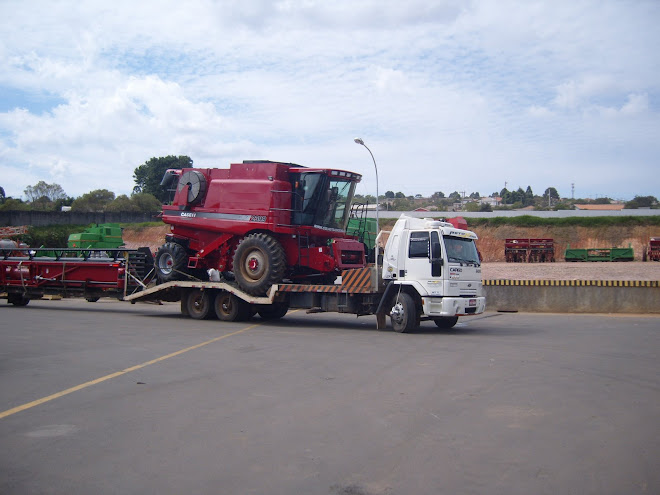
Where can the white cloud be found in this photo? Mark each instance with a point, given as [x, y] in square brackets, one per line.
[461, 95]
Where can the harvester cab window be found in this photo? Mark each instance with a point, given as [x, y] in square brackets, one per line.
[306, 198]
[337, 209]
[318, 200]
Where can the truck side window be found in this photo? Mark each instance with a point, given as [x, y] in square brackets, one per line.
[419, 245]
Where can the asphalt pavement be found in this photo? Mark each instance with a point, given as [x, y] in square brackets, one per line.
[114, 398]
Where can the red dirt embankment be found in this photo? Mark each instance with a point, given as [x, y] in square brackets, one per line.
[491, 239]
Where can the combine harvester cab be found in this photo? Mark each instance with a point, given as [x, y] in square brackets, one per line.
[259, 222]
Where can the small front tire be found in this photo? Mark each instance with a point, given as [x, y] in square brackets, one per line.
[17, 299]
[445, 321]
[274, 311]
[171, 262]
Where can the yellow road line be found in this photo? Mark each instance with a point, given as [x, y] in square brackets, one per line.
[57, 395]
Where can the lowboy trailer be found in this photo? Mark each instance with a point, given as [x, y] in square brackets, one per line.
[430, 271]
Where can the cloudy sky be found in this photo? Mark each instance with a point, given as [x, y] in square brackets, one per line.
[448, 95]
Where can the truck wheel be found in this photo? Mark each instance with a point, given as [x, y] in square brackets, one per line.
[229, 307]
[274, 312]
[445, 321]
[404, 313]
[259, 262]
[199, 305]
[17, 299]
[171, 260]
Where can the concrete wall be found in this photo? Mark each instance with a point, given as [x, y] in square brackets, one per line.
[573, 296]
[43, 218]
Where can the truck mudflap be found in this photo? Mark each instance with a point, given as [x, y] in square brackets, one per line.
[452, 306]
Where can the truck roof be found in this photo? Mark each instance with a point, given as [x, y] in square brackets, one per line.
[412, 223]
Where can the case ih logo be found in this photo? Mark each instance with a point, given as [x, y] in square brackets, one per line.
[188, 214]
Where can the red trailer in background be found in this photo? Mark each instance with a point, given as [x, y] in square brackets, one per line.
[529, 250]
[652, 252]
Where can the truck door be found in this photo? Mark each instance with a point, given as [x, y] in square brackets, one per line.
[424, 256]
[418, 264]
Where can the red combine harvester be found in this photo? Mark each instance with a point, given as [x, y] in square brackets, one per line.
[261, 222]
[529, 250]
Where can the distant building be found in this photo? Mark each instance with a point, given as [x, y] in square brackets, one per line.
[491, 200]
[612, 207]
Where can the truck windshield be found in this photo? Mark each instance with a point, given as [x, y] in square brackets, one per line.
[461, 250]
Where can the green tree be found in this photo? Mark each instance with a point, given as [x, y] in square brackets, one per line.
[550, 196]
[121, 203]
[146, 203]
[96, 200]
[641, 202]
[389, 194]
[148, 176]
[52, 192]
[11, 204]
[529, 196]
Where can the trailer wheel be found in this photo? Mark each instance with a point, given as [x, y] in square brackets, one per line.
[171, 260]
[199, 305]
[404, 313]
[17, 299]
[229, 307]
[445, 321]
[274, 312]
[259, 262]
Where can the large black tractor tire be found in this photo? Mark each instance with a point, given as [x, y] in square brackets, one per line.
[259, 262]
[404, 313]
[446, 321]
[228, 307]
[171, 262]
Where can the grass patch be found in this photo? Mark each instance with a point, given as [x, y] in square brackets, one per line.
[595, 222]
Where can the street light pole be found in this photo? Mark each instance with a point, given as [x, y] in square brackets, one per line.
[360, 142]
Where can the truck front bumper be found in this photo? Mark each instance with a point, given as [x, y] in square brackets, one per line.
[453, 306]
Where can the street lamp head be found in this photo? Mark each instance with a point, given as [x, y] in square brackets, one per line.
[359, 141]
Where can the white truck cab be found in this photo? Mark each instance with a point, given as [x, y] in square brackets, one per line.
[437, 265]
